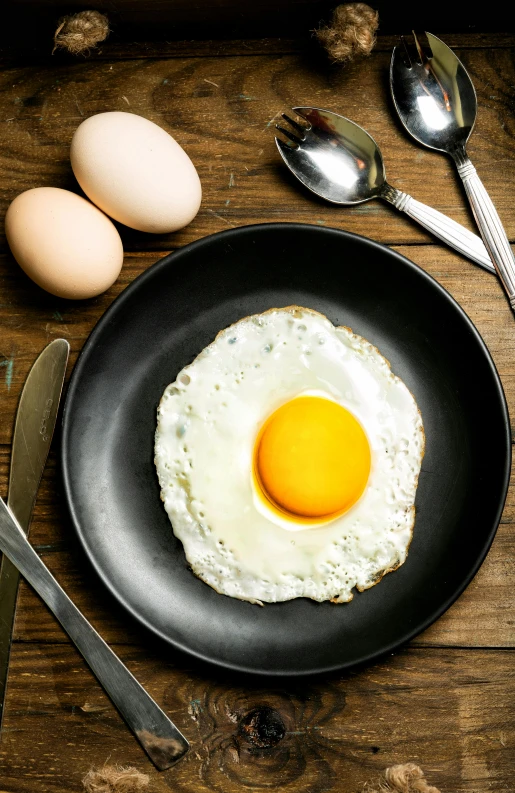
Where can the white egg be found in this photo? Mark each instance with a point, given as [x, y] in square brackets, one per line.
[251, 493]
[135, 172]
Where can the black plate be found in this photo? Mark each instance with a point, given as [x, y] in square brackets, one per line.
[162, 321]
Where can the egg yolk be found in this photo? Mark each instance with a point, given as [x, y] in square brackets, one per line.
[312, 458]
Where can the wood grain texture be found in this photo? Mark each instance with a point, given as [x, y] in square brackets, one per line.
[223, 111]
[446, 701]
[451, 711]
[36, 53]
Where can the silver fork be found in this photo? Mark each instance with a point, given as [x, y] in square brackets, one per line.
[436, 102]
[339, 161]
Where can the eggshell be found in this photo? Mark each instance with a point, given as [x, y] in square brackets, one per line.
[64, 243]
[135, 172]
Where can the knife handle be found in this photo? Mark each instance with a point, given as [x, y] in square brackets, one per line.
[157, 734]
[9, 577]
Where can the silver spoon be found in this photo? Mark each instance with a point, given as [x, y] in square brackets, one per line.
[339, 161]
[436, 102]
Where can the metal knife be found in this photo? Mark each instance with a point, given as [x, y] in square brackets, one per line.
[33, 430]
[157, 734]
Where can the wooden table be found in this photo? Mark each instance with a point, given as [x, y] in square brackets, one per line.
[446, 701]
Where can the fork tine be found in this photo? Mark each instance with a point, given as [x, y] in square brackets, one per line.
[288, 134]
[406, 52]
[285, 148]
[421, 54]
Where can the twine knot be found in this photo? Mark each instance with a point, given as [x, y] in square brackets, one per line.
[351, 32]
[78, 33]
[115, 779]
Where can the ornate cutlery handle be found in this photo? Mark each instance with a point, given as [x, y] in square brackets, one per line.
[489, 224]
[158, 736]
[450, 232]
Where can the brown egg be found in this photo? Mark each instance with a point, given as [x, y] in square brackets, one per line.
[63, 242]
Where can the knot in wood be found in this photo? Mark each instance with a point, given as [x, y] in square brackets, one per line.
[262, 727]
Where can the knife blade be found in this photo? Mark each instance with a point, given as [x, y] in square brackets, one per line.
[33, 430]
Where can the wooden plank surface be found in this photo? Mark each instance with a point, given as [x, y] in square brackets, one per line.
[447, 701]
[117, 49]
[223, 111]
[451, 711]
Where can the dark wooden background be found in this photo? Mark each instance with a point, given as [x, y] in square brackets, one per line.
[447, 701]
[27, 22]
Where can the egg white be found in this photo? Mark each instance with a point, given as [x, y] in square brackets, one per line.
[208, 420]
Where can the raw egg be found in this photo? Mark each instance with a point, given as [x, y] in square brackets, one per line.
[135, 172]
[63, 242]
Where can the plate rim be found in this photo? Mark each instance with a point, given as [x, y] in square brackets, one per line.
[90, 342]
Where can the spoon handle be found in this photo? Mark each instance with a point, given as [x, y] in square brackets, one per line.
[450, 232]
[489, 224]
[158, 736]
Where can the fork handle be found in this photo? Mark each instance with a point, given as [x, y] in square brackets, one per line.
[490, 226]
[450, 232]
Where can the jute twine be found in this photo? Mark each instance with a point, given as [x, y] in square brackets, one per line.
[406, 778]
[115, 779]
[351, 33]
[79, 33]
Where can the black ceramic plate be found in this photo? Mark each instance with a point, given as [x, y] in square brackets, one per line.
[162, 321]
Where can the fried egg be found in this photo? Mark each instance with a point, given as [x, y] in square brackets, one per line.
[288, 456]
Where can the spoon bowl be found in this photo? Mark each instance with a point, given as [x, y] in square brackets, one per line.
[434, 96]
[338, 160]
